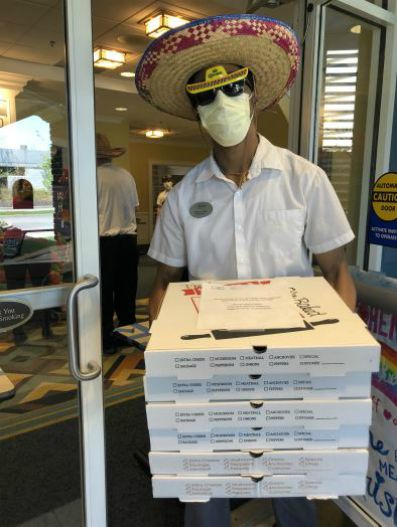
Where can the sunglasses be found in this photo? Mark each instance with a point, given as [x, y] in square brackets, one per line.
[233, 89]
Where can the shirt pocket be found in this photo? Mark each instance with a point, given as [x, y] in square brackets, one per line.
[283, 231]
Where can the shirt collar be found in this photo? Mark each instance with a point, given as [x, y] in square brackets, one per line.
[267, 156]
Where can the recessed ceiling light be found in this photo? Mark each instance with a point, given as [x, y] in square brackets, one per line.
[109, 58]
[121, 109]
[128, 74]
[155, 134]
[162, 22]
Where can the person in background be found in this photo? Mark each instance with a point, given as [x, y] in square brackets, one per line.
[117, 202]
[251, 209]
[22, 194]
[162, 195]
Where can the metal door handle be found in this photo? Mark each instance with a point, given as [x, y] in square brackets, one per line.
[94, 369]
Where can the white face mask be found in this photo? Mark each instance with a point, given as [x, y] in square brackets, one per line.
[227, 119]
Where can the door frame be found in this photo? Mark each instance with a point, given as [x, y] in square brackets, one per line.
[81, 111]
[85, 239]
[377, 157]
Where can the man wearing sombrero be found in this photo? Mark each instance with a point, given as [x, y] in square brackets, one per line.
[251, 209]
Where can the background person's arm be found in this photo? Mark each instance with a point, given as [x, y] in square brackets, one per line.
[335, 270]
[165, 275]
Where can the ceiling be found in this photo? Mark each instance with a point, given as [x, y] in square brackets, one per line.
[32, 54]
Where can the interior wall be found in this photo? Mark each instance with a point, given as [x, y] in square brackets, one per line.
[273, 125]
[118, 134]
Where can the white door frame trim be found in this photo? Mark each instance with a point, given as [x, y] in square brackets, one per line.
[386, 118]
[86, 241]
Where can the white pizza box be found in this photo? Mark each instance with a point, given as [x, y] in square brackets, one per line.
[313, 414]
[248, 387]
[313, 295]
[201, 489]
[264, 462]
[215, 439]
[333, 340]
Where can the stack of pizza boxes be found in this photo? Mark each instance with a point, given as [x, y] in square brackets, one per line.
[259, 412]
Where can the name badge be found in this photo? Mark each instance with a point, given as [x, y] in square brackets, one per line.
[200, 209]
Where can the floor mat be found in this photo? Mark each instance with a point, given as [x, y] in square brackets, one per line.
[46, 393]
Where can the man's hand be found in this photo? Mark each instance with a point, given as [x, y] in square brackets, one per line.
[334, 267]
[165, 275]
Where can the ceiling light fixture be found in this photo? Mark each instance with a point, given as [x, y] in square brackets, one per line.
[121, 109]
[154, 134]
[109, 58]
[128, 74]
[162, 22]
[356, 29]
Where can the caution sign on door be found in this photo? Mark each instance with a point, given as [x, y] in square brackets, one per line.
[383, 215]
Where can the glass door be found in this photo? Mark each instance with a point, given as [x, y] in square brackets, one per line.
[347, 117]
[348, 102]
[51, 407]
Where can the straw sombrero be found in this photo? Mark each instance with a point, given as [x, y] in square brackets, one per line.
[268, 47]
[104, 149]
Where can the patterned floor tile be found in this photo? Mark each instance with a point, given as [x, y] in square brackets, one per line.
[45, 389]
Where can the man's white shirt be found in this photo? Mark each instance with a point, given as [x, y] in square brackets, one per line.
[117, 200]
[263, 229]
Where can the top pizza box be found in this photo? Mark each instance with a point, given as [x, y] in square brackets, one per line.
[319, 334]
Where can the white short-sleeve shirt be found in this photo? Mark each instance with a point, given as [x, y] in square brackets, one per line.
[117, 200]
[263, 229]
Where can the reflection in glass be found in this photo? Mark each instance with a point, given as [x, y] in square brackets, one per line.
[345, 113]
[35, 226]
[22, 194]
[39, 429]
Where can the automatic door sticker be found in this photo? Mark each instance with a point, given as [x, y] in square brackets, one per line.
[201, 209]
[384, 197]
[13, 313]
[383, 216]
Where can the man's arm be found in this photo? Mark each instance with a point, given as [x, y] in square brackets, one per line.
[335, 270]
[165, 275]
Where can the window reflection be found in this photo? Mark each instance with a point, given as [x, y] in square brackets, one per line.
[35, 222]
[347, 109]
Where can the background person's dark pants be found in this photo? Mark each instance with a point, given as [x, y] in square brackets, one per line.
[289, 512]
[119, 277]
[16, 274]
[294, 512]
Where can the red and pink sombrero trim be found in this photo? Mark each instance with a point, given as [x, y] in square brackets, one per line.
[197, 32]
